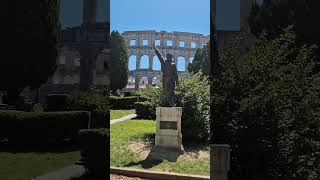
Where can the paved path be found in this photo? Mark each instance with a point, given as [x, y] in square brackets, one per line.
[73, 171]
[125, 118]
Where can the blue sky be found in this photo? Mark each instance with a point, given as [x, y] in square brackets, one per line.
[168, 15]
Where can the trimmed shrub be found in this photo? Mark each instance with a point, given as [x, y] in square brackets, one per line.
[57, 102]
[95, 152]
[37, 108]
[153, 95]
[31, 127]
[151, 98]
[145, 110]
[123, 102]
[96, 103]
[127, 94]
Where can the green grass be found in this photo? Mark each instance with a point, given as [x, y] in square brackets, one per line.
[24, 166]
[115, 114]
[121, 134]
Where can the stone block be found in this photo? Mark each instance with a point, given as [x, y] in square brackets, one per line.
[168, 132]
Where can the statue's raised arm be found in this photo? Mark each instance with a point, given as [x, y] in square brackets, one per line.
[160, 57]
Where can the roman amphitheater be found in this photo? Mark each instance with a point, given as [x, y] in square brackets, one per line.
[145, 66]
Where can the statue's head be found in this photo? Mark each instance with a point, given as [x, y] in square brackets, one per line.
[169, 57]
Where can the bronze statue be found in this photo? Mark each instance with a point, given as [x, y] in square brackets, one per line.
[169, 77]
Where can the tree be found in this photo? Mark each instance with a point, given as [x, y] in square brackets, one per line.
[33, 46]
[119, 62]
[266, 106]
[201, 61]
[272, 16]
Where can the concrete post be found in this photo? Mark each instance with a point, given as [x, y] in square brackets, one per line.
[220, 161]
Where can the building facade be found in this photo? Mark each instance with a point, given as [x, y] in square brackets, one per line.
[83, 62]
[146, 71]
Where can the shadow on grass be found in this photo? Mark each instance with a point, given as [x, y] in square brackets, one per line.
[196, 146]
[156, 157]
[147, 163]
[148, 137]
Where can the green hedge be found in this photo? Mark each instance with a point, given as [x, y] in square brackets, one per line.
[145, 110]
[95, 102]
[95, 152]
[123, 102]
[29, 127]
[57, 102]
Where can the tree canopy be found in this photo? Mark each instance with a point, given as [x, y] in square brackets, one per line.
[266, 106]
[119, 61]
[201, 61]
[33, 46]
[274, 15]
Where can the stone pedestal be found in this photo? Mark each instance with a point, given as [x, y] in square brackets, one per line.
[168, 133]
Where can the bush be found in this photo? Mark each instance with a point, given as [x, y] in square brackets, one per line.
[37, 108]
[145, 110]
[123, 102]
[96, 152]
[57, 102]
[266, 106]
[151, 98]
[95, 102]
[193, 95]
[127, 94]
[153, 95]
[30, 127]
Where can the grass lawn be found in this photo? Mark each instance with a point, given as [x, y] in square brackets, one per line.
[122, 154]
[25, 165]
[115, 114]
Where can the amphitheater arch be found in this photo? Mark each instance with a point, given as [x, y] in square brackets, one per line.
[143, 82]
[182, 45]
[132, 62]
[144, 62]
[191, 59]
[156, 64]
[181, 63]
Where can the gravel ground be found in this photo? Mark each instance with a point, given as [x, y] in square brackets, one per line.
[117, 177]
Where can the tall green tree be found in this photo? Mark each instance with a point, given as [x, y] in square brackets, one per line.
[266, 106]
[201, 60]
[34, 26]
[119, 62]
[274, 15]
